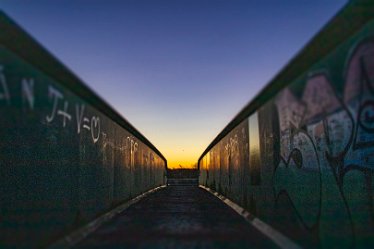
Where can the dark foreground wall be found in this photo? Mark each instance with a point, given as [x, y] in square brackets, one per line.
[301, 155]
[65, 156]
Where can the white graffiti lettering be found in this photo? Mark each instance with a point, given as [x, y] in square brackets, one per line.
[64, 113]
[28, 91]
[79, 109]
[5, 94]
[53, 95]
[86, 123]
[95, 128]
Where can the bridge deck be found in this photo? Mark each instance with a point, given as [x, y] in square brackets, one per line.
[177, 217]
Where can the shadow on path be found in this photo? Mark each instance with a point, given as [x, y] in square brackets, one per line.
[177, 217]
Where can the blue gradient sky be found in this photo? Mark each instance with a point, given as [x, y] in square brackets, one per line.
[179, 71]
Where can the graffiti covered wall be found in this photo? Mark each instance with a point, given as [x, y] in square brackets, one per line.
[303, 162]
[63, 162]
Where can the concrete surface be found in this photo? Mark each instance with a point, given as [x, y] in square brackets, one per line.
[177, 217]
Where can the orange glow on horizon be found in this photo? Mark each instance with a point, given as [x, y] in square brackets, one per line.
[181, 160]
[181, 164]
[186, 151]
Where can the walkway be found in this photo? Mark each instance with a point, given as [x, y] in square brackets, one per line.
[177, 217]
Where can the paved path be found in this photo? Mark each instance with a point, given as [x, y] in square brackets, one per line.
[177, 217]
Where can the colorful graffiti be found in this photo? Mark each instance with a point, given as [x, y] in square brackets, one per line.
[307, 161]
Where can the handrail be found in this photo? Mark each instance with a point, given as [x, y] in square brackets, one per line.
[339, 28]
[14, 38]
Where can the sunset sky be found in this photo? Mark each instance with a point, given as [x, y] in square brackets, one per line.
[179, 70]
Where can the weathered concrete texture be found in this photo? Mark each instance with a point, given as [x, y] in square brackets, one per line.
[178, 217]
[65, 155]
[303, 158]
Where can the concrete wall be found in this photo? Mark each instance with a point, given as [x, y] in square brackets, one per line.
[65, 155]
[303, 159]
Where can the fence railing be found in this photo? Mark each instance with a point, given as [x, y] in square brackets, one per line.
[65, 155]
[300, 155]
